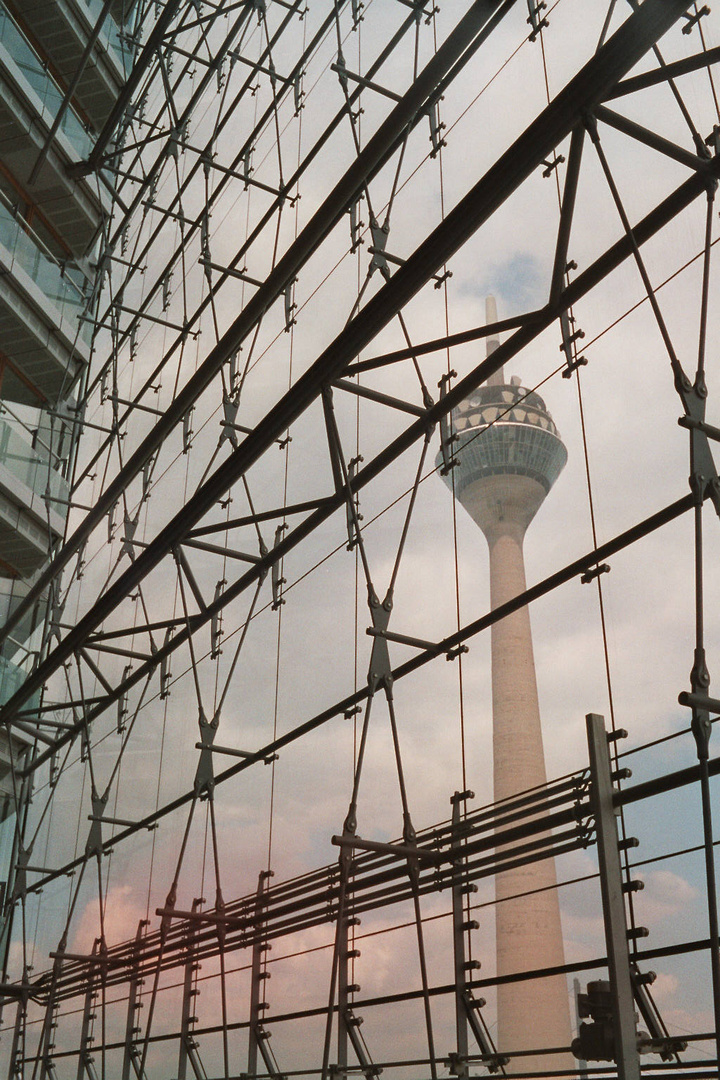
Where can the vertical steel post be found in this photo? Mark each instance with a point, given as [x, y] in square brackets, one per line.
[613, 900]
[343, 993]
[47, 1042]
[131, 1056]
[187, 1043]
[461, 1024]
[18, 1044]
[468, 1018]
[582, 1064]
[257, 1006]
[348, 1023]
[86, 1066]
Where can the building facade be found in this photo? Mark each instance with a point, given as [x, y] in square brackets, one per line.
[62, 66]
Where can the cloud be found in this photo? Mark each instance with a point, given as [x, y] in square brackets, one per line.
[517, 282]
[665, 896]
[665, 987]
[123, 911]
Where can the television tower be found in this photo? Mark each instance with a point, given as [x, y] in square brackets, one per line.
[509, 455]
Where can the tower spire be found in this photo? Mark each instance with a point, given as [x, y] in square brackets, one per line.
[493, 341]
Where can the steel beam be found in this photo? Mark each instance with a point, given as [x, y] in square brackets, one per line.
[146, 57]
[584, 91]
[332, 209]
[665, 73]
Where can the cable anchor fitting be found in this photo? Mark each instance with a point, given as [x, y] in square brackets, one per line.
[534, 20]
[692, 20]
[595, 572]
[353, 515]
[550, 166]
[277, 581]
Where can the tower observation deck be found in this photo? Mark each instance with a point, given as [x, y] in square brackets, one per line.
[508, 454]
[505, 430]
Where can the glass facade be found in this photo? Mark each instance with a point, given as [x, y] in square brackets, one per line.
[20, 59]
[28, 465]
[49, 232]
[12, 757]
[110, 35]
[59, 285]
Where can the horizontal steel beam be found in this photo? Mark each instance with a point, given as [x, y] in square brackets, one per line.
[643, 528]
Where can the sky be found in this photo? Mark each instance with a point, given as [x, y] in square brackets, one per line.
[313, 650]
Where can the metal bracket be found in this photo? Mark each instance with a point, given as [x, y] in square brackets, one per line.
[436, 126]
[595, 572]
[216, 630]
[166, 290]
[534, 20]
[230, 411]
[446, 436]
[691, 20]
[187, 433]
[165, 672]
[380, 670]
[205, 775]
[569, 337]
[551, 165]
[298, 93]
[129, 527]
[122, 705]
[147, 473]
[276, 580]
[94, 844]
[80, 564]
[57, 606]
[356, 225]
[111, 523]
[379, 235]
[353, 515]
[247, 168]
[290, 305]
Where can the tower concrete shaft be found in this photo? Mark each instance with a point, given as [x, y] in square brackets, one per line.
[534, 1013]
[505, 455]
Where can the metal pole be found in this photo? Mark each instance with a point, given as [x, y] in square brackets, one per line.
[613, 900]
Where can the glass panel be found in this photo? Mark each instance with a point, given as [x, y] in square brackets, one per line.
[43, 270]
[50, 95]
[29, 466]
